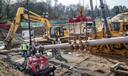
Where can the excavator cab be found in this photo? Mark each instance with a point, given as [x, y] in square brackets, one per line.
[56, 31]
[119, 28]
[119, 24]
[126, 29]
[116, 26]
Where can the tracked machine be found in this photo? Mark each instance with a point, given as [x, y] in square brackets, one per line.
[117, 28]
[115, 45]
[51, 31]
[110, 33]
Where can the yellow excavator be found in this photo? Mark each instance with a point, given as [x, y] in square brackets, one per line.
[118, 26]
[51, 31]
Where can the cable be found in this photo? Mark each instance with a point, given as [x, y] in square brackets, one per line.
[96, 2]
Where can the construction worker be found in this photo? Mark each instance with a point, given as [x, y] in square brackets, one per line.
[45, 35]
[39, 49]
[33, 48]
[59, 41]
[56, 52]
[24, 48]
[49, 41]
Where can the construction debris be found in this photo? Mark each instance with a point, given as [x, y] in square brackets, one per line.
[119, 69]
[6, 69]
[78, 48]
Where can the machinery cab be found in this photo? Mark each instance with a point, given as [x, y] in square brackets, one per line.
[89, 26]
[126, 29]
[119, 24]
[89, 29]
[56, 31]
[119, 28]
[115, 28]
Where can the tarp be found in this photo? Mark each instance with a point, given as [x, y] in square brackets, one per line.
[33, 24]
[38, 24]
[80, 19]
[5, 26]
[59, 21]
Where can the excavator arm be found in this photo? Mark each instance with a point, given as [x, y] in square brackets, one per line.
[21, 15]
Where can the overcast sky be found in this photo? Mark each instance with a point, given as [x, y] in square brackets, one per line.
[111, 3]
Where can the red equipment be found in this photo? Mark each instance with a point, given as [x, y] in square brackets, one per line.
[39, 65]
[80, 19]
[5, 26]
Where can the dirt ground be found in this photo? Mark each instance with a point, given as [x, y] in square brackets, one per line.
[91, 64]
[7, 70]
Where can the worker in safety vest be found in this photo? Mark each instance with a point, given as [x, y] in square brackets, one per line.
[24, 48]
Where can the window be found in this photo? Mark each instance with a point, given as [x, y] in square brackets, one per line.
[126, 27]
[57, 30]
[116, 26]
[89, 24]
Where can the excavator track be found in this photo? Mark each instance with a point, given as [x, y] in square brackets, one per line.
[109, 52]
[105, 50]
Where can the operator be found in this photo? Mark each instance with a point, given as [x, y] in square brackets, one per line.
[33, 48]
[56, 52]
[24, 48]
[103, 28]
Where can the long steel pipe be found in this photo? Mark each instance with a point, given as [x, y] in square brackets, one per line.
[103, 41]
[63, 45]
[113, 40]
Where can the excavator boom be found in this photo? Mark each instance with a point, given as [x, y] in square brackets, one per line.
[21, 14]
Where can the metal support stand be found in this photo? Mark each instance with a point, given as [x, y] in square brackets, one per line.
[30, 40]
[105, 20]
[93, 16]
[119, 69]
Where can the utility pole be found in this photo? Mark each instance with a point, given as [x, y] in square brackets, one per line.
[105, 20]
[83, 2]
[93, 16]
[79, 1]
[30, 39]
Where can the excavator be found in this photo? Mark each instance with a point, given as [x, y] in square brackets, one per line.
[38, 64]
[101, 44]
[118, 26]
[51, 31]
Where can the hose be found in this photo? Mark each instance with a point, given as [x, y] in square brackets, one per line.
[116, 46]
[125, 45]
